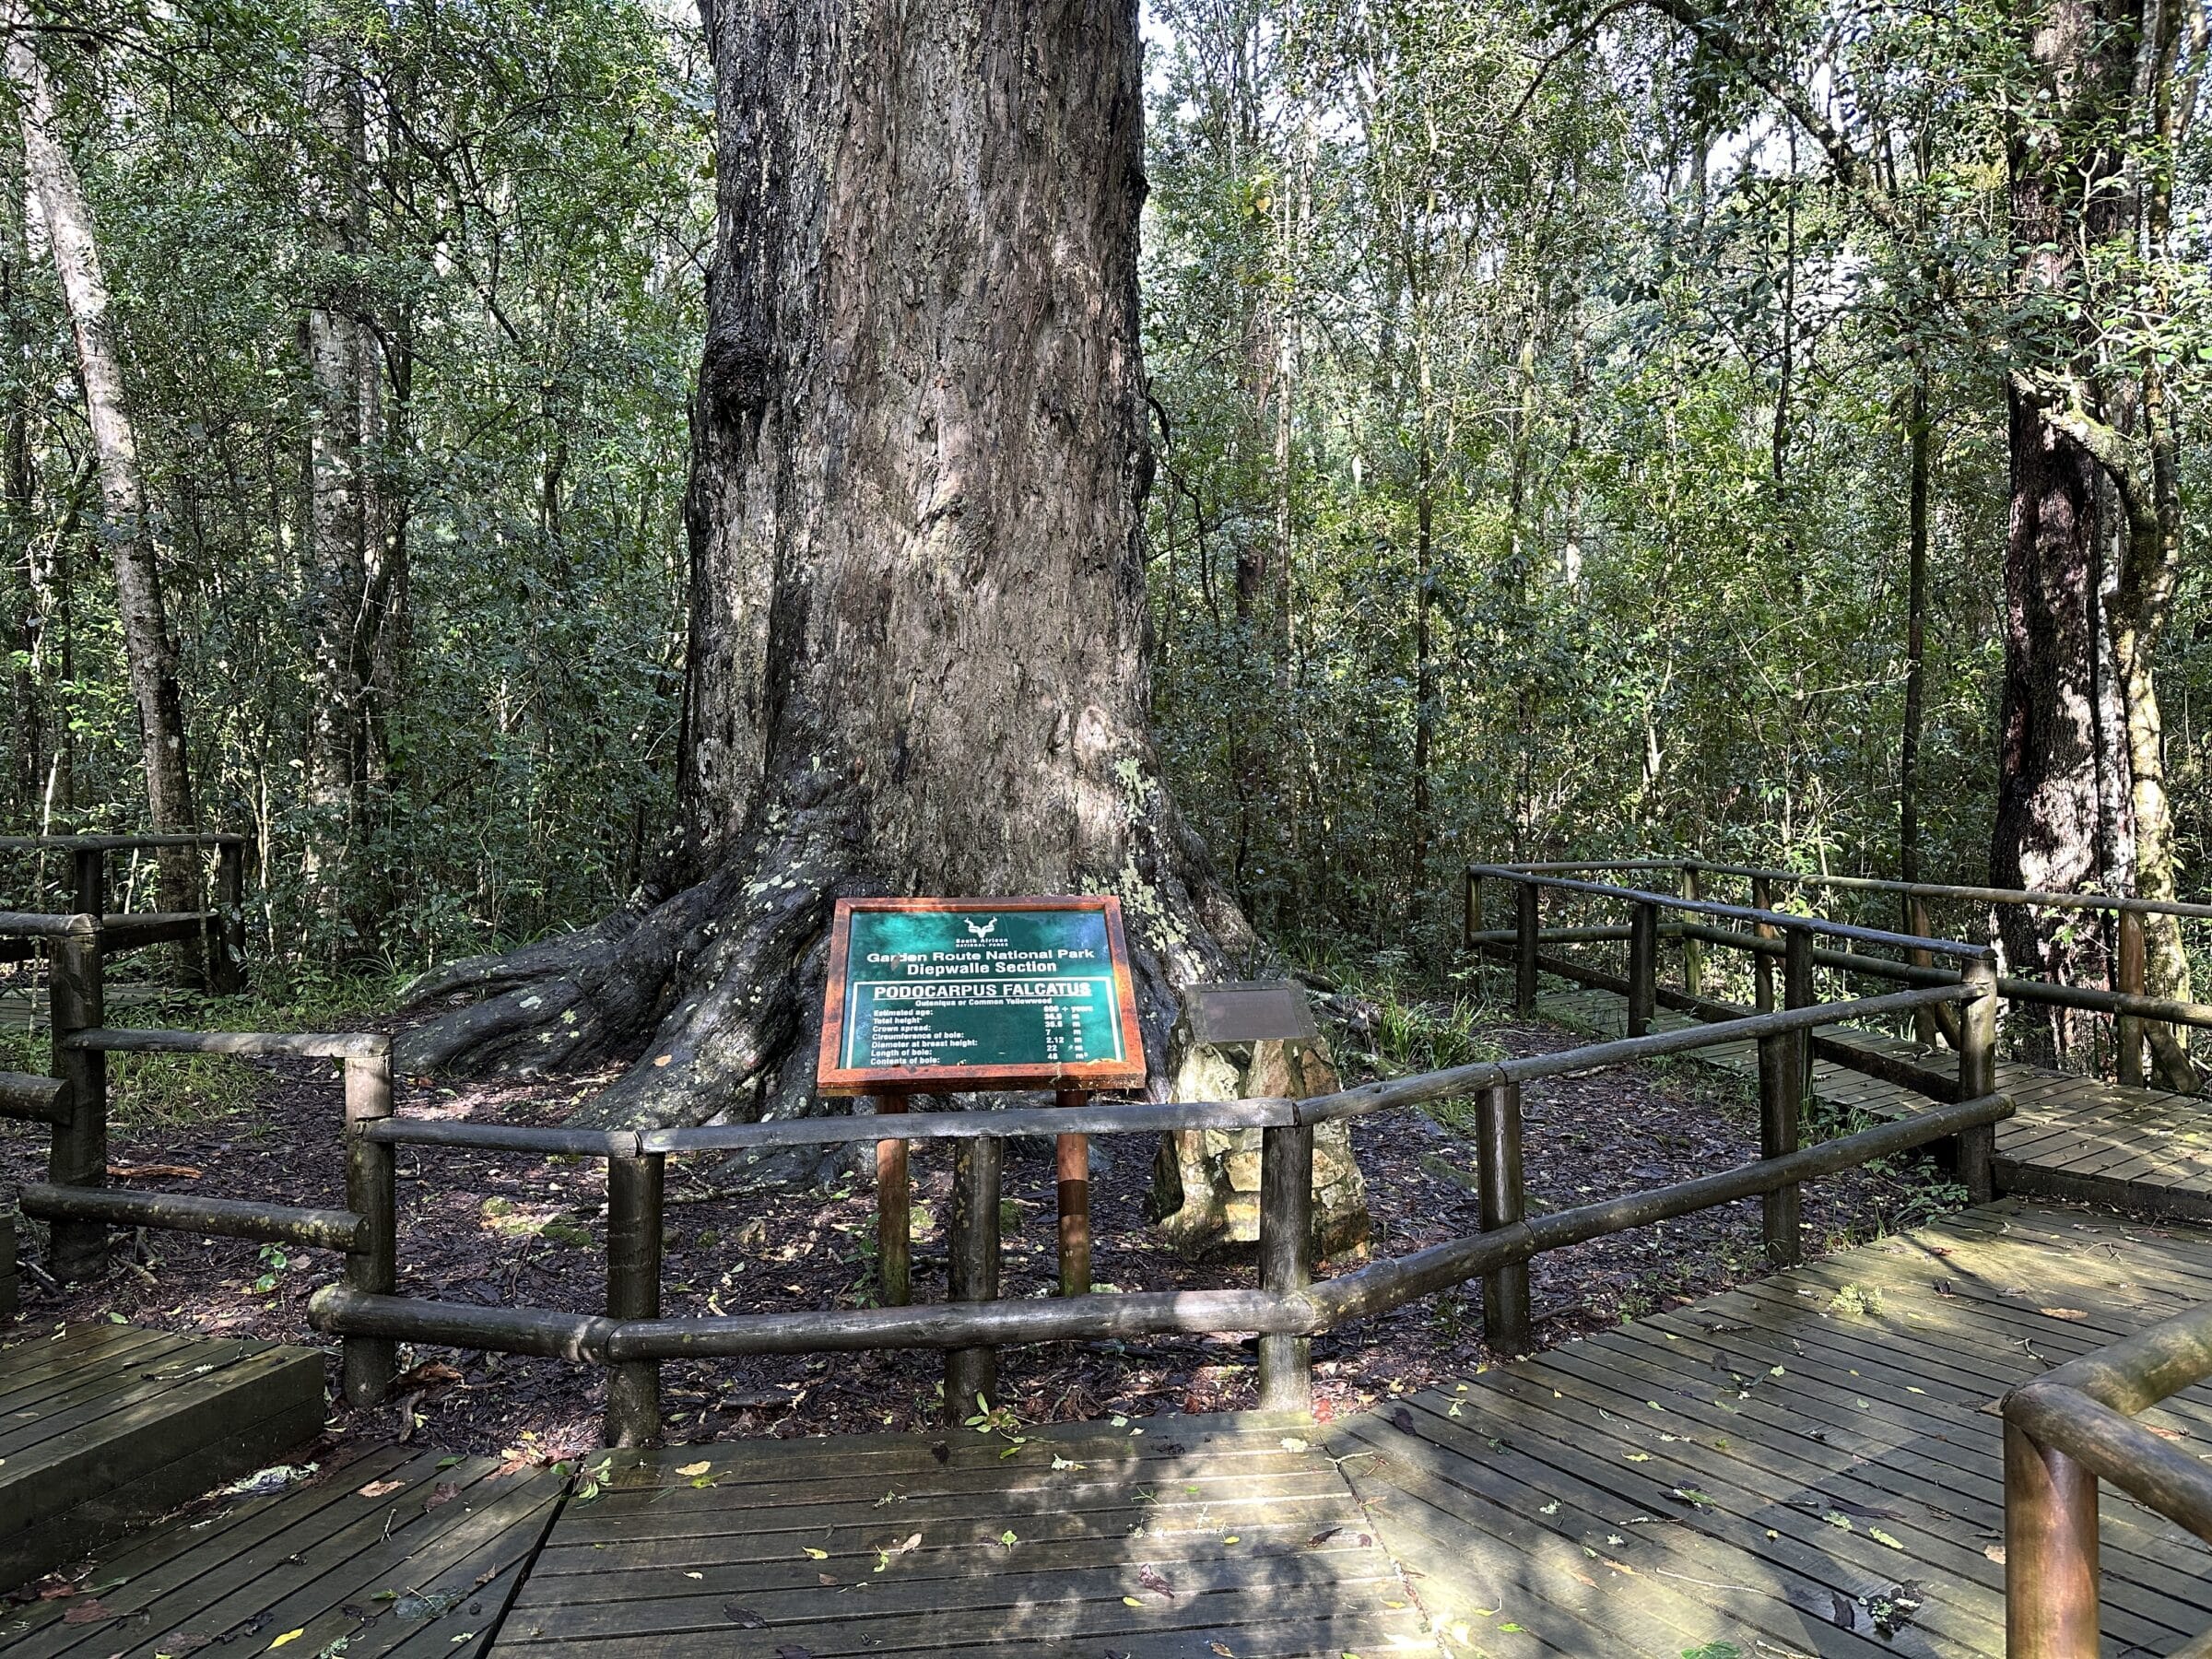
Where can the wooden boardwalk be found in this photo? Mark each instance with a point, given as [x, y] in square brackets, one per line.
[105, 1426]
[1166, 1535]
[1807, 1466]
[395, 1554]
[2071, 1136]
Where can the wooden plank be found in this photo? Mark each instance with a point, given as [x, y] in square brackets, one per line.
[1535, 1521]
[146, 1437]
[119, 1383]
[1007, 1549]
[371, 1574]
[133, 1576]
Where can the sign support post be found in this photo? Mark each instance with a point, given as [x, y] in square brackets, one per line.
[894, 1212]
[969, 995]
[1074, 1151]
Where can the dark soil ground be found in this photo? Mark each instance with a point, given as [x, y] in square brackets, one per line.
[517, 1231]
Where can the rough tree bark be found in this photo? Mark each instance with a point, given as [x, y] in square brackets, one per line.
[918, 657]
[346, 562]
[152, 659]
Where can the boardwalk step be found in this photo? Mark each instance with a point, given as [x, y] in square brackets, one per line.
[103, 1427]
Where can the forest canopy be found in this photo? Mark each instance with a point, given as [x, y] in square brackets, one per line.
[1564, 424]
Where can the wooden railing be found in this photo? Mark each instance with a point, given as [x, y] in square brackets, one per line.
[220, 928]
[2124, 999]
[631, 1337]
[2064, 1431]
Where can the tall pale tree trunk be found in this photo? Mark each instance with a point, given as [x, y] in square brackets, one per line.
[343, 553]
[152, 658]
[919, 652]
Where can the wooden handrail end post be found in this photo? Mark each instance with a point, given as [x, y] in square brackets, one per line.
[1506, 1318]
[367, 1364]
[2051, 1566]
[1287, 1262]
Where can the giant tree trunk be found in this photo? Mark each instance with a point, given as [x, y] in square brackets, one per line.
[152, 659]
[918, 657]
[2058, 825]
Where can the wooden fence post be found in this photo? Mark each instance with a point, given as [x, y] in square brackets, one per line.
[1694, 950]
[1471, 923]
[78, 1250]
[1525, 895]
[227, 932]
[1506, 1319]
[1978, 1075]
[89, 895]
[369, 1363]
[1763, 966]
[1915, 919]
[1780, 1104]
[1643, 965]
[1286, 1260]
[894, 1212]
[973, 1268]
[2051, 1564]
[1797, 993]
[633, 1291]
[2128, 1037]
[1072, 1157]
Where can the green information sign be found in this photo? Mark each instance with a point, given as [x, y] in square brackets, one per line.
[1009, 993]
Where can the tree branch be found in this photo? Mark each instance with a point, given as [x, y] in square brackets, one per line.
[1843, 161]
[2124, 458]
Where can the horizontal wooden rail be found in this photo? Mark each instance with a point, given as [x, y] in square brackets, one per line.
[181, 1212]
[552, 1140]
[340, 1046]
[1384, 1284]
[1462, 1080]
[1739, 912]
[119, 844]
[1105, 1118]
[34, 1099]
[38, 925]
[132, 930]
[2031, 897]
[342, 1311]
[1134, 1117]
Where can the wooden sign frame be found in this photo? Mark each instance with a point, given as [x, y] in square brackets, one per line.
[1130, 1072]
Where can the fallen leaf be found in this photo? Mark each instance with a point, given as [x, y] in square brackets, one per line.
[819, 1555]
[1222, 1648]
[445, 1491]
[1293, 1444]
[689, 1469]
[1131, 1601]
[1149, 1577]
[1996, 1552]
[87, 1611]
[743, 1617]
[288, 1636]
[2062, 1313]
[381, 1488]
[1879, 1537]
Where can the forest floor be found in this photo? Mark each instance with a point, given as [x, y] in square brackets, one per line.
[496, 1230]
